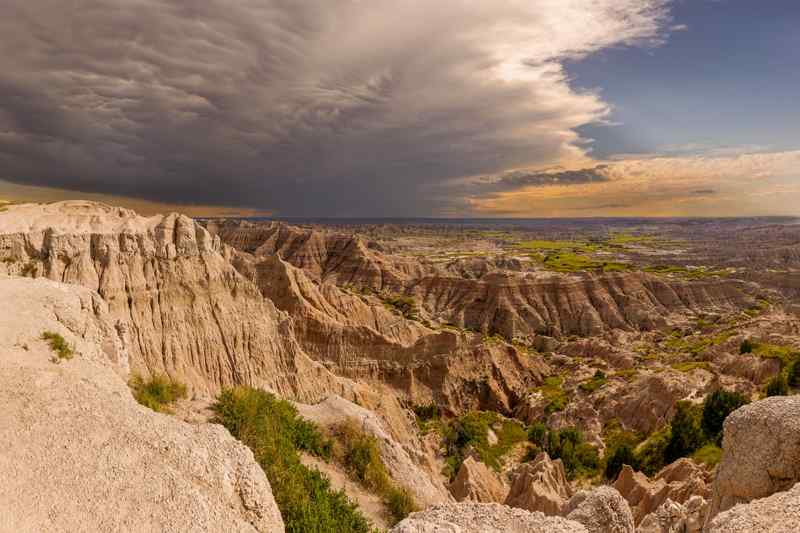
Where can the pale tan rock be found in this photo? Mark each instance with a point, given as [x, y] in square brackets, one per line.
[602, 510]
[678, 482]
[778, 513]
[475, 482]
[182, 306]
[761, 452]
[673, 517]
[540, 485]
[79, 454]
[484, 518]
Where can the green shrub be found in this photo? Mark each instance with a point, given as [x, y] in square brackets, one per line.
[59, 345]
[158, 393]
[716, 407]
[274, 431]
[594, 383]
[405, 305]
[686, 434]
[710, 454]
[579, 458]
[793, 374]
[537, 434]
[471, 431]
[777, 386]
[360, 453]
[746, 346]
[427, 412]
[650, 454]
[617, 458]
[554, 395]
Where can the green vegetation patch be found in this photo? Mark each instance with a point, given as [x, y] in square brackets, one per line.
[567, 262]
[158, 393]
[59, 345]
[786, 354]
[471, 431]
[275, 433]
[580, 458]
[405, 305]
[594, 383]
[690, 366]
[709, 454]
[553, 394]
[360, 453]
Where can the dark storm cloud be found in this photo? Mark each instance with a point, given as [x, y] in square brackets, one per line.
[520, 179]
[324, 107]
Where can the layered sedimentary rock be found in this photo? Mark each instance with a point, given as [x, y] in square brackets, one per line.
[182, 307]
[79, 454]
[673, 517]
[357, 336]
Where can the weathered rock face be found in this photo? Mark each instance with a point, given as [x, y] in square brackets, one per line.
[356, 336]
[672, 517]
[399, 462]
[183, 309]
[678, 482]
[602, 510]
[475, 482]
[484, 518]
[779, 513]
[761, 452]
[523, 305]
[79, 454]
[540, 485]
[341, 259]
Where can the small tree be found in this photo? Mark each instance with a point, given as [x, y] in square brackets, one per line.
[746, 346]
[778, 386]
[716, 407]
[793, 373]
[686, 435]
[622, 455]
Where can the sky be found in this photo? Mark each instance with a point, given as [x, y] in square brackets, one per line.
[453, 108]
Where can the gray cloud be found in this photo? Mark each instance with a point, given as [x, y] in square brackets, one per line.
[519, 179]
[324, 107]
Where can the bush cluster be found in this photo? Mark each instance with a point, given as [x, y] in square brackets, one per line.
[361, 455]
[59, 345]
[157, 393]
[275, 433]
[579, 457]
[695, 430]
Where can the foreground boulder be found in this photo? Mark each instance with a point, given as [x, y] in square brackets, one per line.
[475, 482]
[761, 455]
[779, 513]
[602, 510]
[78, 452]
[484, 518]
[540, 485]
[673, 517]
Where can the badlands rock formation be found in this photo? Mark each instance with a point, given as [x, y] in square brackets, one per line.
[540, 485]
[484, 518]
[475, 482]
[79, 454]
[172, 293]
[677, 482]
[761, 456]
[779, 513]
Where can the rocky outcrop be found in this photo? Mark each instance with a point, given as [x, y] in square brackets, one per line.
[484, 518]
[672, 517]
[779, 513]
[171, 291]
[540, 485]
[678, 482]
[761, 452]
[602, 510]
[523, 305]
[79, 454]
[476, 483]
[399, 463]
